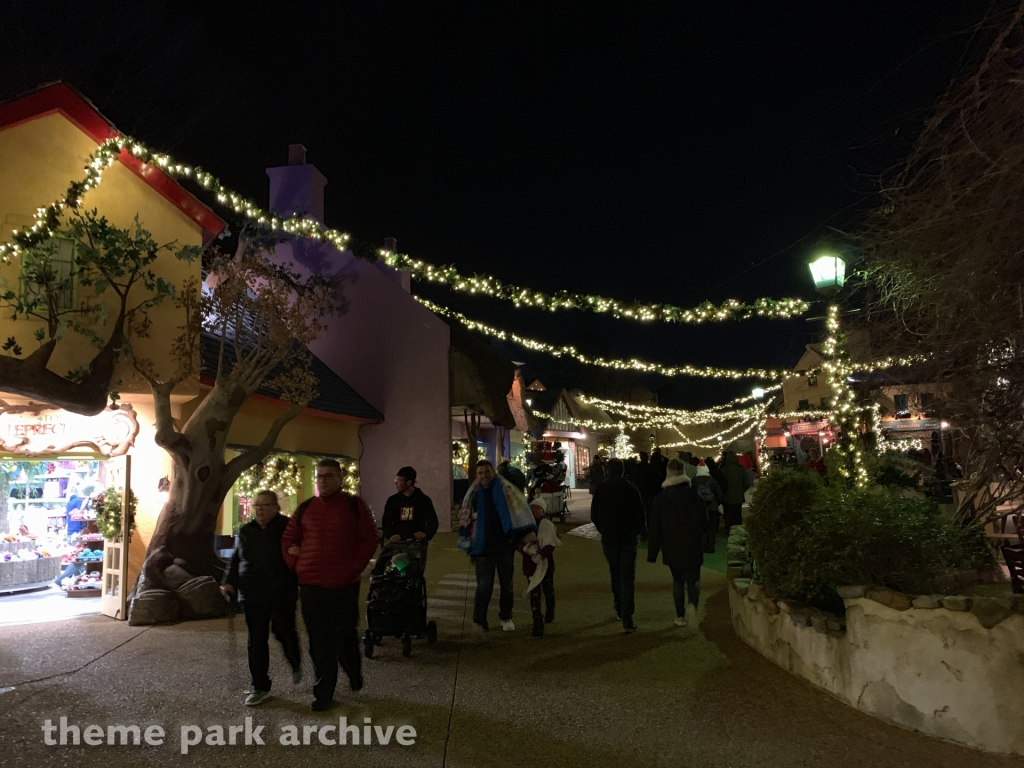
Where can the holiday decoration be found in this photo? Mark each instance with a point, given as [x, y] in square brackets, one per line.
[279, 474]
[108, 512]
[844, 414]
[623, 447]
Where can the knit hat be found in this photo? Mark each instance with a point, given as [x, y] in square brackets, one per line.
[702, 469]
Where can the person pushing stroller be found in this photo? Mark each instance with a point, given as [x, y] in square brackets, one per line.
[409, 515]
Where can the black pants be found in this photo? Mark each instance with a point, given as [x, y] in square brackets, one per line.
[331, 616]
[501, 561]
[547, 587]
[260, 619]
[621, 557]
[733, 515]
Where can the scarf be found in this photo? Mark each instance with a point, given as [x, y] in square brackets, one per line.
[512, 506]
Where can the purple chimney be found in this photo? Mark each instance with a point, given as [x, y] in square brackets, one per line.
[297, 189]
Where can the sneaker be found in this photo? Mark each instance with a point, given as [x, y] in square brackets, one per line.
[507, 625]
[628, 626]
[297, 675]
[321, 706]
[680, 621]
[256, 697]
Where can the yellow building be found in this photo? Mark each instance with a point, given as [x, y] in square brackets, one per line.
[50, 456]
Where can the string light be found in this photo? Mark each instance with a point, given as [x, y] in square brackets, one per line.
[900, 444]
[486, 285]
[837, 368]
[623, 447]
[675, 415]
[279, 474]
[709, 372]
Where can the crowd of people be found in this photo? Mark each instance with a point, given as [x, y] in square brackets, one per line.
[318, 555]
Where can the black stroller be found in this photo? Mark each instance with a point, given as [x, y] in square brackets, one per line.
[396, 604]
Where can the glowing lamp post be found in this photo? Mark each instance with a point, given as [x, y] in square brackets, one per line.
[828, 272]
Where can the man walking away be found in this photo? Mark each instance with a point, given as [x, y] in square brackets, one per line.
[268, 592]
[328, 543]
[495, 517]
[678, 524]
[711, 494]
[735, 492]
[618, 514]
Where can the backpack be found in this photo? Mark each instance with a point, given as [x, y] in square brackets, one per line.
[704, 491]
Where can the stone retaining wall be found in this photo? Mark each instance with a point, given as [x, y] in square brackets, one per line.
[37, 569]
[948, 666]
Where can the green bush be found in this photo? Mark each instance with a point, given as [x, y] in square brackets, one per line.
[807, 538]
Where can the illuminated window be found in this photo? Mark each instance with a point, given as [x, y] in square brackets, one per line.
[902, 403]
[52, 275]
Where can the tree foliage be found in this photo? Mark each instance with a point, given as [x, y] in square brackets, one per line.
[945, 259]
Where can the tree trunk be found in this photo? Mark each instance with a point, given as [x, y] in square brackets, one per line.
[200, 480]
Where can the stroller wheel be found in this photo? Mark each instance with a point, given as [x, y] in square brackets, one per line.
[406, 645]
[368, 647]
[432, 632]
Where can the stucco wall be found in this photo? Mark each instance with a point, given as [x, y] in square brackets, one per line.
[933, 669]
[394, 353]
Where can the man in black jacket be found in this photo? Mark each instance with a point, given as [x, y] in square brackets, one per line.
[268, 590]
[617, 512]
[409, 514]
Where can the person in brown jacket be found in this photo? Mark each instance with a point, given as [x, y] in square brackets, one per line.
[328, 543]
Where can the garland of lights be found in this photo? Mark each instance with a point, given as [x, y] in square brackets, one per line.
[350, 482]
[485, 285]
[460, 454]
[837, 368]
[278, 474]
[623, 447]
[677, 416]
[727, 435]
[571, 351]
[901, 444]
[48, 218]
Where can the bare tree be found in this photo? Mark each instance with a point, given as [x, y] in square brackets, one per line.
[945, 254]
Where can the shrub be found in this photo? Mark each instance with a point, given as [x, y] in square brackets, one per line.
[807, 539]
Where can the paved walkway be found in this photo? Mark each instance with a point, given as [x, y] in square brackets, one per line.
[585, 695]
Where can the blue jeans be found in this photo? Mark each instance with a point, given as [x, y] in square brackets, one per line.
[683, 584]
[621, 557]
[502, 562]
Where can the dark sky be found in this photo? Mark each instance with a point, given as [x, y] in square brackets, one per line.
[655, 151]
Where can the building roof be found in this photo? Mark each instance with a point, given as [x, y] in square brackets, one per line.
[61, 98]
[480, 378]
[335, 398]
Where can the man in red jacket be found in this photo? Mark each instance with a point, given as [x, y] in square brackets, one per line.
[328, 543]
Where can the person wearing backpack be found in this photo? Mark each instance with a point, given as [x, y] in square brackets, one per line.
[328, 543]
[711, 494]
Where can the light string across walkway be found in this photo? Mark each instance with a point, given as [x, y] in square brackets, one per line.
[485, 285]
[709, 372]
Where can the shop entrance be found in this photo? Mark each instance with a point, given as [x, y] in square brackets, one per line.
[54, 560]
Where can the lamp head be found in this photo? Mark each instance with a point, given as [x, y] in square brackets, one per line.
[828, 271]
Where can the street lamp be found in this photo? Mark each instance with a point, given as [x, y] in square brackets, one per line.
[758, 393]
[828, 271]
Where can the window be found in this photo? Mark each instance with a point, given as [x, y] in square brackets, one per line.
[57, 271]
[812, 380]
[582, 461]
[826, 402]
[902, 404]
[804, 405]
[927, 401]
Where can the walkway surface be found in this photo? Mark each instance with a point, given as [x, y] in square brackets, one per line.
[584, 695]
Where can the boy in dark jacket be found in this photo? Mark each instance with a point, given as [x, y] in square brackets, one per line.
[617, 512]
[678, 523]
[268, 591]
[409, 514]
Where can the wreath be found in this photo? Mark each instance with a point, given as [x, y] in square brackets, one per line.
[108, 513]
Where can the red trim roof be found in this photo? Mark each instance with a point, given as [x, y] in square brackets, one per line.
[65, 100]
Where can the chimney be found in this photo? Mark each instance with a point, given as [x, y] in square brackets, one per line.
[297, 189]
[397, 276]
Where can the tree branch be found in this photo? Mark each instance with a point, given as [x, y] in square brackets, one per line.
[242, 462]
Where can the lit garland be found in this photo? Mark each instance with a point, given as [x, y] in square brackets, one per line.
[48, 219]
[675, 415]
[485, 285]
[279, 474]
[901, 444]
[802, 415]
[350, 481]
[570, 351]
[460, 454]
[763, 460]
[844, 411]
[727, 435]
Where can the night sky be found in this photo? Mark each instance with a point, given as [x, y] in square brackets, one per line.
[651, 151]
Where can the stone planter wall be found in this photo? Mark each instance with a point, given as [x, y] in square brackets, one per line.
[948, 666]
[28, 571]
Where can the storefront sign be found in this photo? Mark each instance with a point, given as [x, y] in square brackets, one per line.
[38, 431]
[912, 425]
[808, 427]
